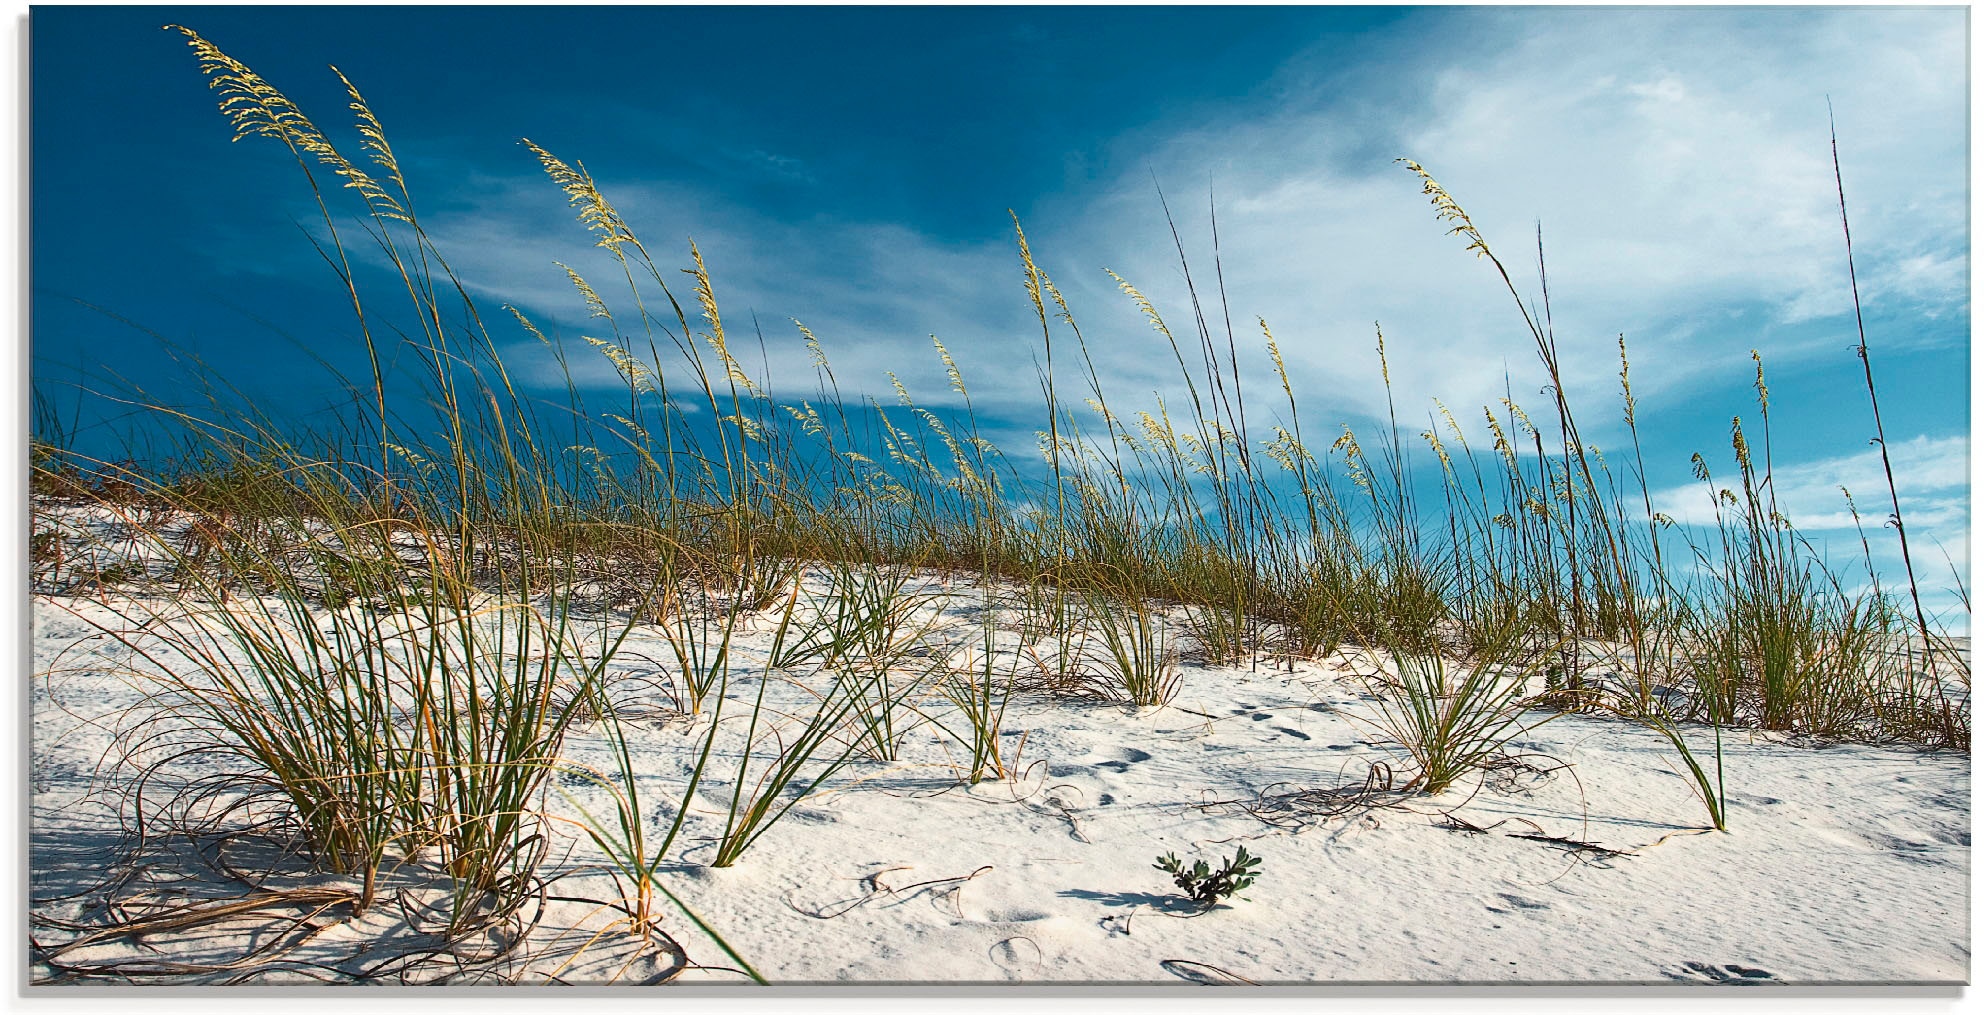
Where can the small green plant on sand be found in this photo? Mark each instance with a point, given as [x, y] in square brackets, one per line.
[1206, 886]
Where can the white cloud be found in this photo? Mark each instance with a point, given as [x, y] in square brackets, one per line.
[874, 292]
[1677, 158]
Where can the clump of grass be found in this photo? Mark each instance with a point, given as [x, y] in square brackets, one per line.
[417, 723]
[698, 628]
[1307, 601]
[872, 626]
[798, 757]
[1775, 639]
[338, 633]
[1452, 717]
[780, 761]
[978, 690]
[1133, 652]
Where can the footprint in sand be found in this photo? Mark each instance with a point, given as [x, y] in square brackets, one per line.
[1907, 850]
[1518, 902]
[1297, 734]
[1019, 915]
[1129, 756]
[1118, 761]
[1702, 972]
[1016, 954]
[1751, 798]
[1952, 835]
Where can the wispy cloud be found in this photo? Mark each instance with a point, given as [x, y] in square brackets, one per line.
[1678, 162]
[1677, 159]
[874, 293]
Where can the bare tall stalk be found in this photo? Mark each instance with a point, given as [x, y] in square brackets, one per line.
[1880, 434]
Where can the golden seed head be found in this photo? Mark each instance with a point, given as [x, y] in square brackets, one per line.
[595, 306]
[631, 370]
[747, 425]
[950, 367]
[256, 108]
[1447, 209]
[1150, 312]
[1432, 438]
[812, 345]
[1625, 378]
[1033, 274]
[582, 193]
[525, 321]
[373, 133]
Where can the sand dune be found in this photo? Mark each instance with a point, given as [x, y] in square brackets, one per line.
[1580, 857]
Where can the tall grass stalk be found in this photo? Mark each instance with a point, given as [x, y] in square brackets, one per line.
[1954, 727]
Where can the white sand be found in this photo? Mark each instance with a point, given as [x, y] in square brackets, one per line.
[1844, 864]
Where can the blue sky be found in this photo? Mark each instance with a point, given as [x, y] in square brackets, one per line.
[853, 168]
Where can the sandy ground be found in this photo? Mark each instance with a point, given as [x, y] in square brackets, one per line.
[1582, 859]
[1583, 863]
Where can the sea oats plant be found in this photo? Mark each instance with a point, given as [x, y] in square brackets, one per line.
[698, 628]
[341, 630]
[1454, 717]
[978, 689]
[1132, 651]
[404, 724]
[877, 652]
